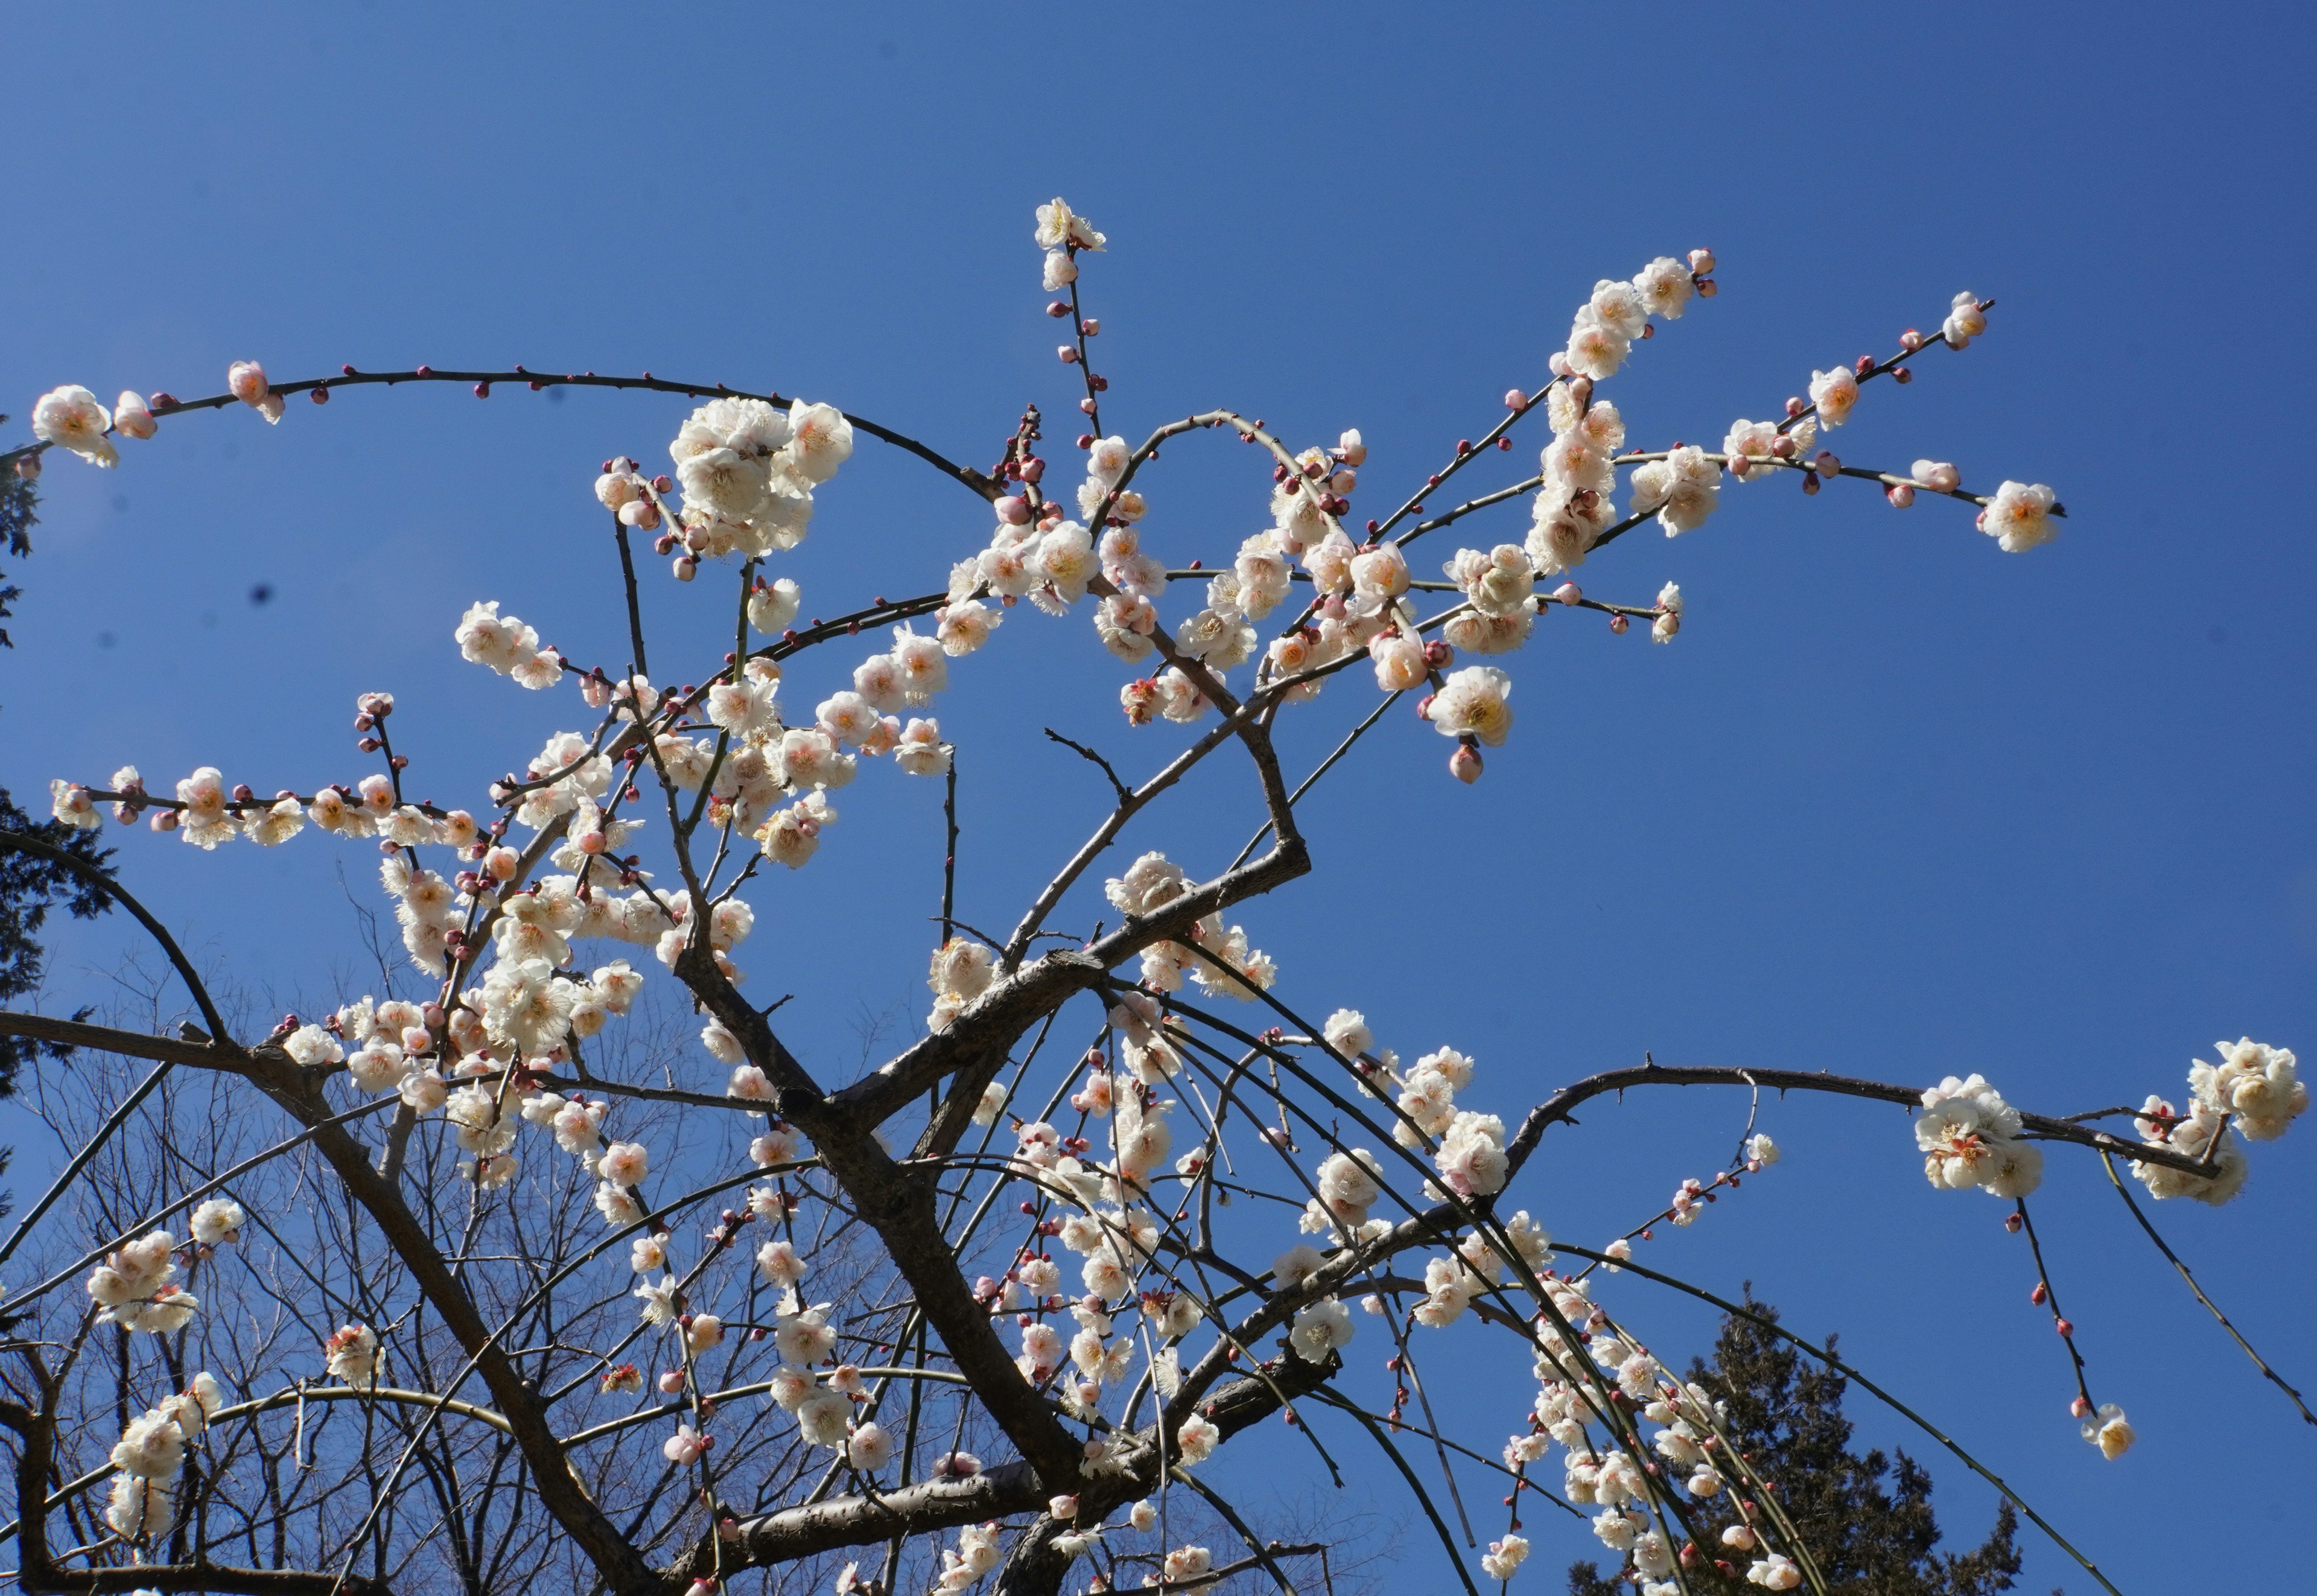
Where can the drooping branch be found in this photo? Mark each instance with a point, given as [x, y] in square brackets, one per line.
[481, 381]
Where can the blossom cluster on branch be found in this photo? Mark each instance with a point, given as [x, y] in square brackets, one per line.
[1063, 1268]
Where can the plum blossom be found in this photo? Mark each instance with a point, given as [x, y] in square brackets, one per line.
[1969, 1136]
[2019, 517]
[71, 418]
[1472, 702]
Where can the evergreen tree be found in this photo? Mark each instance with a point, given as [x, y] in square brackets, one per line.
[1867, 1521]
[30, 887]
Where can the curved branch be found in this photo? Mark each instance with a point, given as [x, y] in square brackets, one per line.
[1562, 1104]
[349, 378]
[112, 888]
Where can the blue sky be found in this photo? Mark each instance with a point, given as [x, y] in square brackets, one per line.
[1894, 804]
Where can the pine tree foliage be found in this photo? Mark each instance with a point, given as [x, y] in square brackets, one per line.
[1866, 1519]
[30, 887]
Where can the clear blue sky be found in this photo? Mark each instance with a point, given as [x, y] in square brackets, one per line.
[1894, 804]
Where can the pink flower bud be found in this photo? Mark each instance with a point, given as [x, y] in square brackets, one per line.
[1795, 407]
[1091, 326]
[1701, 260]
[2064, 1327]
[1086, 406]
[1464, 764]
[1911, 340]
[685, 568]
[671, 1381]
[1900, 494]
[1826, 463]
[28, 468]
[1559, 364]
[1066, 354]
[1568, 592]
[1619, 624]
[1707, 289]
[1515, 400]
[1014, 510]
[1058, 308]
[2039, 1293]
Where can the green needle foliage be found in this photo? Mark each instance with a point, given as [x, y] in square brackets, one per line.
[30, 887]
[1866, 1520]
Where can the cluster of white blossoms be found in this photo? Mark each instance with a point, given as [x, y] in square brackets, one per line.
[71, 418]
[1061, 233]
[1576, 1382]
[2255, 1088]
[351, 1355]
[976, 1556]
[1969, 1136]
[1775, 1571]
[136, 1285]
[151, 1454]
[1219, 959]
[508, 646]
[747, 472]
[1505, 1556]
[1573, 508]
[1751, 445]
[1468, 1148]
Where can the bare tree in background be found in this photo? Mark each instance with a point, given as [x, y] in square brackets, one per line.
[495, 1280]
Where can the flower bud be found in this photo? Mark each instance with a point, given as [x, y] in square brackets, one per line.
[685, 568]
[1900, 494]
[1014, 510]
[1619, 624]
[671, 1381]
[1066, 354]
[1701, 261]
[1515, 400]
[1568, 592]
[1464, 764]
[133, 417]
